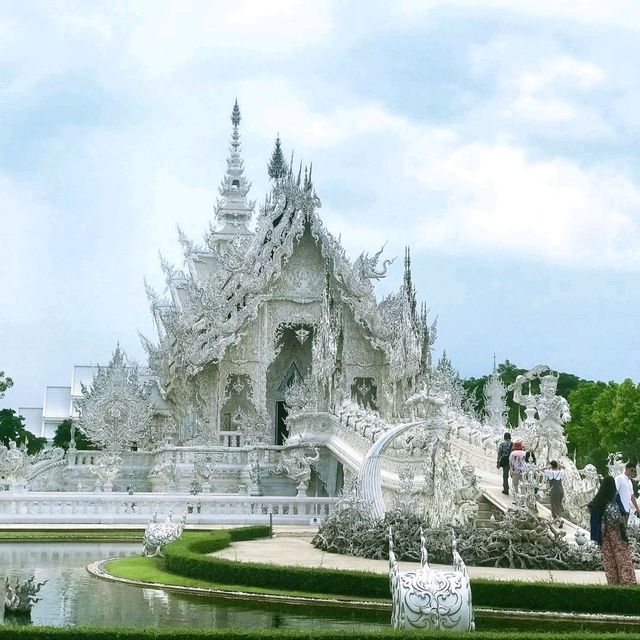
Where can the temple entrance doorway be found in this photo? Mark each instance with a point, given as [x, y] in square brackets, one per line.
[291, 364]
[282, 433]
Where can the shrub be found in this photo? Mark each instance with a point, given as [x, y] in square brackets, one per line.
[185, 557]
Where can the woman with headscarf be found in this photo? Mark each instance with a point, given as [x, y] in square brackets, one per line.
[609, 532]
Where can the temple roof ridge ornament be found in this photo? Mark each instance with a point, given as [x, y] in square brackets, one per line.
[277, 167]
[233, 210]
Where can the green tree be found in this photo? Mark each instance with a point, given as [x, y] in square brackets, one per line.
[62, 437]
[12, 428]
[620, 421]
[583, 432]
[605, 418]
[5, 383]
[508, 372]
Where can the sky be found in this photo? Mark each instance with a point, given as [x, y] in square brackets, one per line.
[497, 138]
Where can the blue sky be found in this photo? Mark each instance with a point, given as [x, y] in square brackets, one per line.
[497, 138]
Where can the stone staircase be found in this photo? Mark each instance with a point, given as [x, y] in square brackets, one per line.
[486, 509]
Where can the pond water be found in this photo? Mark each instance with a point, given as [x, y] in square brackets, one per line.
[73, 597]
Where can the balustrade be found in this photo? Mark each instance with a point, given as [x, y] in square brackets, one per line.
[50, 507]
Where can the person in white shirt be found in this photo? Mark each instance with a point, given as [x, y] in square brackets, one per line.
[555, 475]
[625, 489]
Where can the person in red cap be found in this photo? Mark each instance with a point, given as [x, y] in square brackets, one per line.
[516, 464]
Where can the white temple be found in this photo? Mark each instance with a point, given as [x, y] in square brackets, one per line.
[274, 371]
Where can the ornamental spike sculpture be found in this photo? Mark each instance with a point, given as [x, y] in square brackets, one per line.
[20, 598]
[430, 598]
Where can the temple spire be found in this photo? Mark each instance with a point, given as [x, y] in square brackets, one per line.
[233, 211]
[408, 283]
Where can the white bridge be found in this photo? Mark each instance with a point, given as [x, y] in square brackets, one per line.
[221, 501]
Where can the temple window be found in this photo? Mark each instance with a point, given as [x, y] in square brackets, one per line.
[365, 393]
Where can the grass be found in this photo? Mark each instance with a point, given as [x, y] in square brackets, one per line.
[153, 570]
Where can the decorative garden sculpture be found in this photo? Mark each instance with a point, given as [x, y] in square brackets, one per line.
[430, 598]
[20, 598]
[17, 468]
[13, 465]
[296, 464]
[615, 464]
[450, 488]
[204, 469]
[159, 534]
[256, 472]
[531, 483]
[106, 468]
[547, 439]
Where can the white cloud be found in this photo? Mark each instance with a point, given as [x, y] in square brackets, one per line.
[541, 90]
[492, 196]
[557, 92]
[563, 72]
[283, 109]
[544, 111]
[164, 35]
[624, 13]
[25, 225]
[502, 201]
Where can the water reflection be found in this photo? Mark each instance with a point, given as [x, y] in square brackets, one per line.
[73, 597]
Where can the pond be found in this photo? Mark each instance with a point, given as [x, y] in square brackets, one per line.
[73, 597]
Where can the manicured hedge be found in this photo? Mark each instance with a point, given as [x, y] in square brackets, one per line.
[550, 596]
[93, 633]
[70, 535]
[185, 557]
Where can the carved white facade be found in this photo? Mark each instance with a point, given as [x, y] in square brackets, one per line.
[275, 370]
[263, 327]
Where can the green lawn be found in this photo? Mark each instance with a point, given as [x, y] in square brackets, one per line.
[152, 570]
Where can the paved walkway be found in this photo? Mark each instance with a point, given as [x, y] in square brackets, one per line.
[292, 546]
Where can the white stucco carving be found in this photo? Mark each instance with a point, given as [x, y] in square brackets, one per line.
[429, 598]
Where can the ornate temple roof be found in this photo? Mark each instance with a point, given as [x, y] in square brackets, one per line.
[225, 282]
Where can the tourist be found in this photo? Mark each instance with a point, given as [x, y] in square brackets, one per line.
[608, 531]
[554, 475]
[516, 464]
[625, 490]
[532, 465]
[504, 451]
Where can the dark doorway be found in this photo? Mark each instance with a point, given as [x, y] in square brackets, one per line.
[282, 433]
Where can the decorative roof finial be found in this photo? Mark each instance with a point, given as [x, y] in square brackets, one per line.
[233, 210]
[277, 167]
[235, 114]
